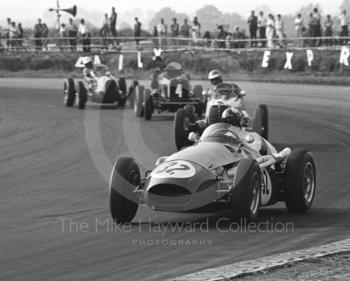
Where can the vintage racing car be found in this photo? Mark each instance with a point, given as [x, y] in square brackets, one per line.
[227, 167]
[169, 91]
[106, 89]
[225, 96]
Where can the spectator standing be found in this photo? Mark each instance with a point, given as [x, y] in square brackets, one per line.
[298, 24]
[317, 27]
[262, 21]
[221, 37]
[279, 25]
[185, 31]
[253, 28]
[270, 31]
[72, 30]
[45, 35]
[174, 29]
[20, 35]
[155, 36]
[237, 36]
[85, 35]
[105, 31]
[162, 32]
[137, 32]
[113, 26]
[344, 22]
[7, 32]
[13, 35]
[63, 35]
[207, 37]
[196, 30]
[328, 30]
[38, 34]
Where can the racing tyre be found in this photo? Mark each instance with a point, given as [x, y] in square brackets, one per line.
[131, 93]
[198, 92]
[148, 105]
[68, 92]
[122, 85]
[300, 181]
[82, 94]
[261, 121]
[214, 115]
[139, 99]
[181, 128]
[122, 91]
[123, 210]
[246, 195]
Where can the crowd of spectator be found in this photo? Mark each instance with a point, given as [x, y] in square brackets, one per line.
[263, 31]
[13, 35]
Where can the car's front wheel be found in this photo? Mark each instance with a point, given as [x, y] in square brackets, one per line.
[82, 94]
[300, 181]
[123, 210]
[139, 100]
[246, 195]
[149, 107]
[68, 92]
[182, 123]
[261, 121]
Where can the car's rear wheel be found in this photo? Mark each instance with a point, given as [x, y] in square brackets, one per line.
[82, 94]
[198, 92]
[123, 210]
[300, 181]
[261, 121]
[149, 107]
[214, 115]
[68, 92]
[182, 128]
[139, 100]
[122, 91]
[131, 93]
[122, 85]
[246, 195]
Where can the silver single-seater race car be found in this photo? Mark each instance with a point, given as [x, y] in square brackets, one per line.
[105, 89]
[227, 166]
[170, 90]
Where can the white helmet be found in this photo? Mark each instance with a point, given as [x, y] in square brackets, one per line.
[86, 60]
[214, 74]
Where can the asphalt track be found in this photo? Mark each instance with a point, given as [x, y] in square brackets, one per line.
[54, 167]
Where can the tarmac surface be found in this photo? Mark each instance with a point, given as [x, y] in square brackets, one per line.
[54, 170]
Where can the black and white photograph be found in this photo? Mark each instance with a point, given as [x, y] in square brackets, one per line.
[164, 140]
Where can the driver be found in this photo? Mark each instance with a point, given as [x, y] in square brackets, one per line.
[215, 78]
[88, 73]
[158, 68]
[235, 117]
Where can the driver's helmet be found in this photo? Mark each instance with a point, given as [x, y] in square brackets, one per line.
[158, 63]
[232, 116]
[174, 69]
[215, 77]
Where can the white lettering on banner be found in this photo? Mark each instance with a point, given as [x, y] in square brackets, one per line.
[139, 62]
[97, 60]
[288, 64]
[344, 55]
[310, 57]
[79, 63]
[266, 58]
[120, 62]
[157, 52]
